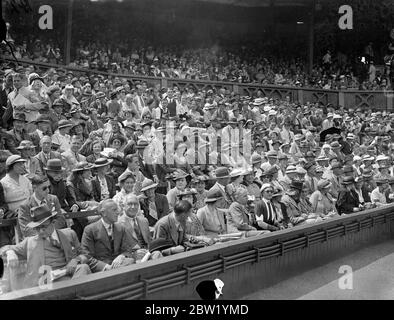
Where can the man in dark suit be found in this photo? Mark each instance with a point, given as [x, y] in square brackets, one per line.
[147, 169]
[104, 186]
[107, 240]
[222, 179]
[6, 88]
[58, 249]
[265, 211]
[172, 227]
[155, 205]
[39, 197]
[18, 133]
[46, 152]
[43, 128]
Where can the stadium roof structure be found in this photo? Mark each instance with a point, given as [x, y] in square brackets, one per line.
[262, 3]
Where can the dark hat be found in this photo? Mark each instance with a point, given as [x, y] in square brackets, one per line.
[336, 165]
[113, 94]
[119, 137]
[43, 118]
[35, 77]
[52, 89]
[347, 180]
[20, 117]
[54, 165]
[187, 192]
[101, 162]
[379, 179]
[272, 154]
[256, 158]
[347, 169]
[100, 95]
[213, 195]
[296, 185]
[64, 123]
[222, 172]
[39, 215]
[309, 165]
[160, 244]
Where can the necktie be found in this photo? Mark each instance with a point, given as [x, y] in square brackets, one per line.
[270, 211]
[77, 156]
[136, 229]
[54, 242]
[111, 238]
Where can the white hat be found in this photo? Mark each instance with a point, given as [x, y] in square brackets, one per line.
[356, 158]
[291, 169]
[272, 113]
[337, 116]
[382, 157]
[265, 186]
[329, 114]
[326, 145]
[267, 109]
[69, 86]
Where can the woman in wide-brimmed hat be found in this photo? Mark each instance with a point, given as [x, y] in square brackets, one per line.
[237, 177]
[179, 177]
[322, 202]
[212, 219]
[79, 182]
[126, 182]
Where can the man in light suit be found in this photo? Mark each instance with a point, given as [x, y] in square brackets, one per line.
[57, 249]
[135, 222]
[32, 164]
[40, 196]
[222, 179]
[72, 156]
[107, 240]
[46, 152]
[238, 216]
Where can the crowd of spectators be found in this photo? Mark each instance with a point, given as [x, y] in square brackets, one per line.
[170, 169]
[249, 63]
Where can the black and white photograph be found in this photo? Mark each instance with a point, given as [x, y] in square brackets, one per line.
[225, 153]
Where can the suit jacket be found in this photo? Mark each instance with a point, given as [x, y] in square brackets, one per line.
[166, 228]
[32, 250]
[148, 170]
[34, 167]
[262, 210]
[95, 242]
[143, 228]
[162, 208]
[24, 214]
[237, 218]
[15, 140]
[347, 200]
[70, 159]
[111, 185]
[43, 160]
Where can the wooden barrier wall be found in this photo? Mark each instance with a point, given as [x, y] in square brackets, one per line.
[243, 265]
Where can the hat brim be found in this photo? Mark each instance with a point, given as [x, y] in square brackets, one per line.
[212, 199]
[82, 169]
[109, 161]
[151, 186]
[180, 177]
[54, 170]
[65, 126]
[35, 224]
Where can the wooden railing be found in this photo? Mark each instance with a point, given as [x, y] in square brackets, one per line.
[378, 100]
[244, 264]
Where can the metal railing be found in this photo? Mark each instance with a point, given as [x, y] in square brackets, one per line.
[380, 100]
[142, 280]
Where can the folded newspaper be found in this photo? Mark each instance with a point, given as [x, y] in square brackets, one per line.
[59, 273]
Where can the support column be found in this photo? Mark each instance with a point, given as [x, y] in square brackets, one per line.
[69, 19]
[311, 35]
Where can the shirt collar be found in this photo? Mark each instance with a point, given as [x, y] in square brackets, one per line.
[54, 235]
[106, 225]
[38, 201]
